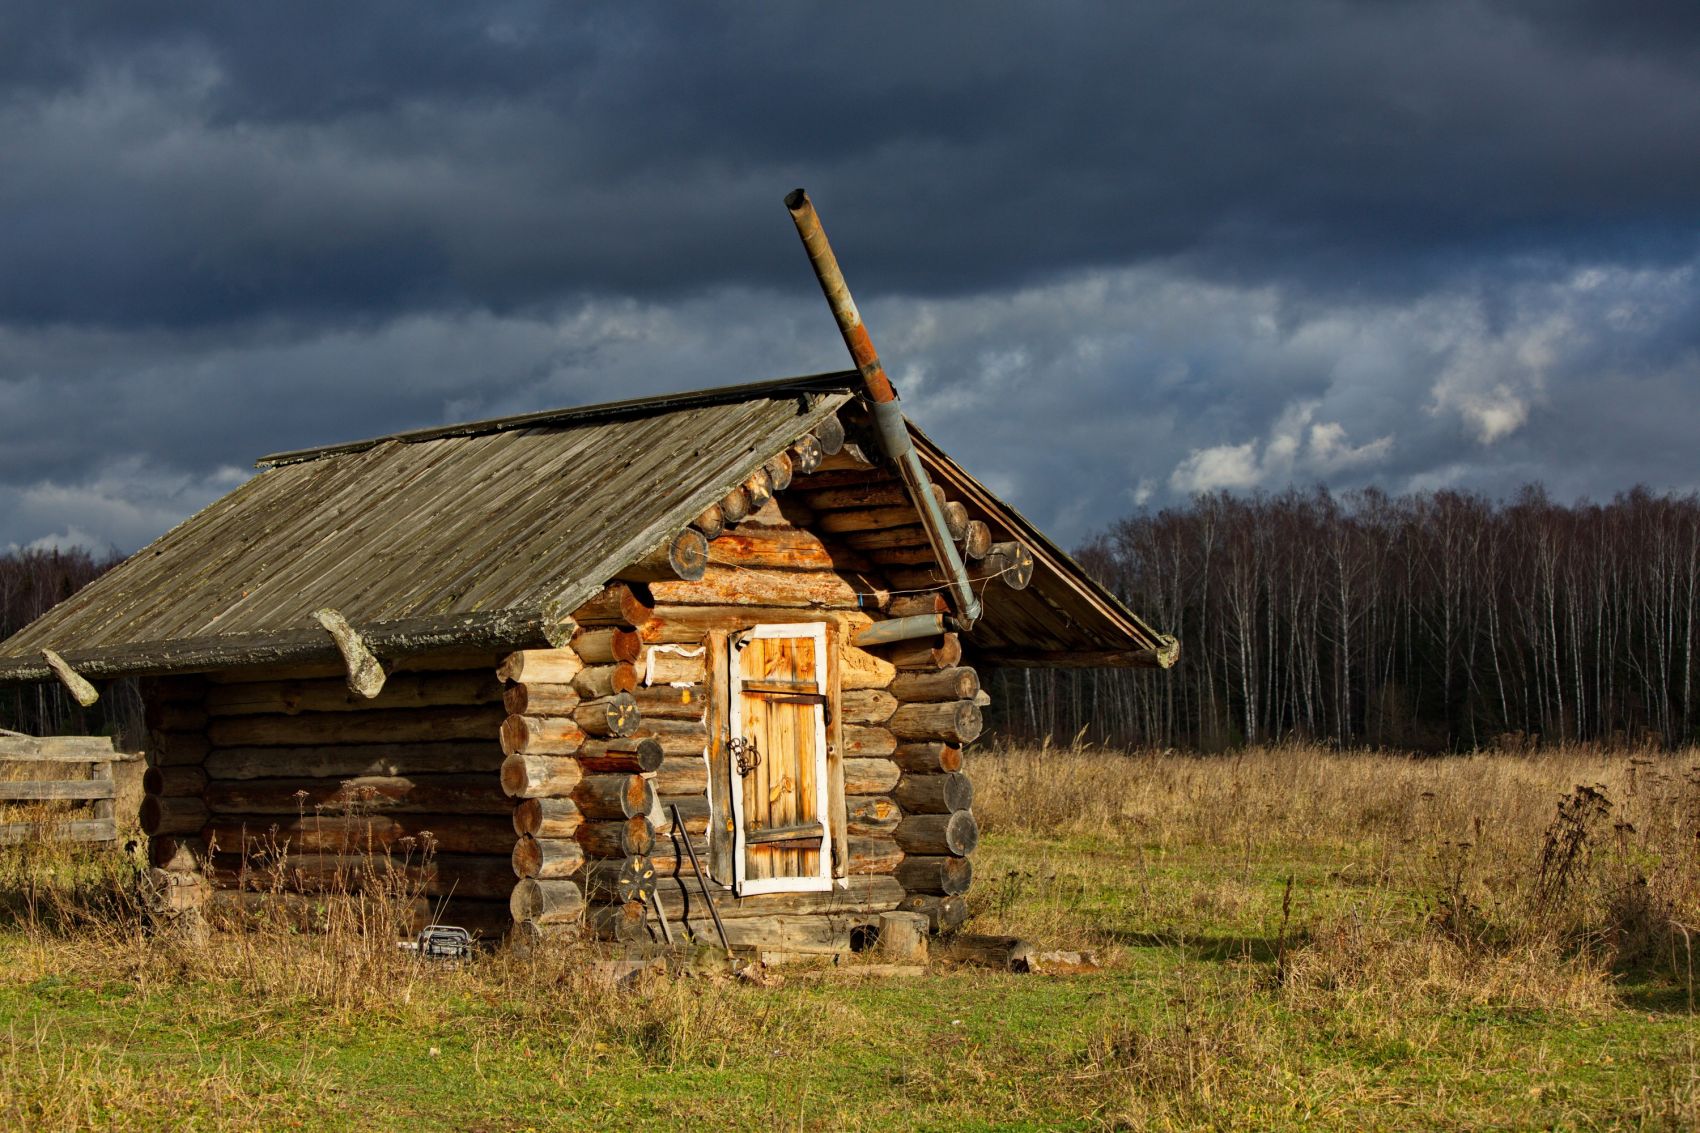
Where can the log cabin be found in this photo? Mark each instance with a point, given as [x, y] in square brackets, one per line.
[698, 666]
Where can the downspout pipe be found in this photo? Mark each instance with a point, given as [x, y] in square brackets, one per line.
[887, 411]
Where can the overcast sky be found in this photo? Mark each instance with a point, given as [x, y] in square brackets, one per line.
[1113, 254]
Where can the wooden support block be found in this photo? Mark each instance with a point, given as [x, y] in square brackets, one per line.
[944, 914]
[1007, 953]
[903, 937]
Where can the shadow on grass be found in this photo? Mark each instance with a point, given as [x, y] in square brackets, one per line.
[1216, 947]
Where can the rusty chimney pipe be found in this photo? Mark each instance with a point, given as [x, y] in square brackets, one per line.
[888, 416]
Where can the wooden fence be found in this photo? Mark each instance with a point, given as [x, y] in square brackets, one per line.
[95, 822]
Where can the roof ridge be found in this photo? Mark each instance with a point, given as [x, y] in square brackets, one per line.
[582, 414]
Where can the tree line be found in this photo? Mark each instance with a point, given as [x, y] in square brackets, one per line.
[1438, 620]
[32, 582]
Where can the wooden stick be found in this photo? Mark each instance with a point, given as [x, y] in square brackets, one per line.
[84, 693]
[365, 674]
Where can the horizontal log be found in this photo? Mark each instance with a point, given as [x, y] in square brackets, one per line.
[735, 505]
[885, 539]
[607, 645]
[1006, 953]
[542, 666]
[682, 556]
[670, 702]
[437, 660]
[805, 456]
[609, 716]
[669, 856]
[934, 794]
[871, 815]
[693, 809]
[30, 790]
[546, 902]
[530, 699]
[870, 776]
[331, 833]
[616, 604]
[677, 737]
[598, 681]
[237, 909]
[479, 876]
[727, 586]
[165, 815]
[867, 706]
[954, 833]
[667, 665]
[957, 721]
[58, 829]
[711, 521]
[942, 652]
[365, 794]
[354, 760]
[872, 854]
[682, 775]
[402, 725]
[547, 818]
[605, 797]
[976, 541]
[541, 735]
[943, 913]
[626, 754]
[619, 839]
[689, 625]
[860, 497]
[758, 488]
[172, 716]
[945, 875]
[681, 899]
[928, 757]
[176, 749]
[550, 858]
[854, 521]
[859, 668]
[862, 742]
[184, 688]
[540, 776]
[402, 690]
[959, 683]
[163, 781]
[908, 556]
[917, 605]
[774, 548]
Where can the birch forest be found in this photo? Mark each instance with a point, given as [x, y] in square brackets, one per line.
[1432, 621]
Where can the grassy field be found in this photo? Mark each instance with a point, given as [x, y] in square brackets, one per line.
[1291, 938]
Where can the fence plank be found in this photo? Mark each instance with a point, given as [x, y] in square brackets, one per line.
[59, 749]
[83, 830]
[20, 790]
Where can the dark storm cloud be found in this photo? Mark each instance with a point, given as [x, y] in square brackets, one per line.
[1114, 253]
[186, 164]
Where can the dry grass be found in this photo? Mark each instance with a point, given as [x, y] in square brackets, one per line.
[1295, 938]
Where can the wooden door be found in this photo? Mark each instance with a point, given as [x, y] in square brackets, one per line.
[778, 759]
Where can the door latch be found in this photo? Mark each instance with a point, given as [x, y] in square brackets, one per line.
[746, 756]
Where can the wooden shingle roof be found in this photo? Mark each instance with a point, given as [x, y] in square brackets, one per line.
[486, 533]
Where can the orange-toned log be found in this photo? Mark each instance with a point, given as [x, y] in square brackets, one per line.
[682, 775]
[540, 699]
[605, 680]
[928, 757]
[870, 776]
[942, 652]
[541, 735]
[627, 754]
[680, 557]
[711, 522]
[540, 776]
[959, 683]
[547, 818]
[866, 741]
[956, 721]
[552, 666]
[735, 505]
[607, 645]
[871, 815]
[616, 604]
[917, 605]
[688, 625]
[725, 586]
[620, 839]
[867, 706]
[774, 548]
[942, 874]
[872, 855]
[546, 857]
[605, 797]
[670, 702]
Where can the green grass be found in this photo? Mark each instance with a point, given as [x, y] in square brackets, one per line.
[1226, 1001]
